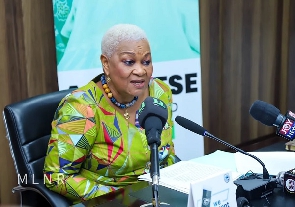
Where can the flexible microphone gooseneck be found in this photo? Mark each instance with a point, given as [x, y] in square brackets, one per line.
[152, 116]
[260, 189]
[185, 123]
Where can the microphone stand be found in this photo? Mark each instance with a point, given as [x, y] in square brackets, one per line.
[265, 174]
[155, 173]
[250, 188]
[152, 116]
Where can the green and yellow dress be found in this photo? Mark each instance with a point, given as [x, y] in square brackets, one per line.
[94, 150]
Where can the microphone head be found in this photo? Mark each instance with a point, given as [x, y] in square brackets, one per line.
[153, 113]
[266, 113]
[188, 124]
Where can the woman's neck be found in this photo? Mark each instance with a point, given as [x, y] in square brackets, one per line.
[121, 98]
[132, 109]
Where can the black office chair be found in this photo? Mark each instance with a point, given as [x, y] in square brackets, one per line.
[28, 125]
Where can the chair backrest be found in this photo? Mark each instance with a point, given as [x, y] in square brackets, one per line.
[28, 126]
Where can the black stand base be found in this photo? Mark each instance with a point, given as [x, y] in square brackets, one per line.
[254, 188]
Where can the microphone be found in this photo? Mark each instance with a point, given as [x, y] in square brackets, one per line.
[249, 188]
[152, 116]
[269, 115]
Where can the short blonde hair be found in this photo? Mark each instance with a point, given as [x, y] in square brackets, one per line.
[118, 33]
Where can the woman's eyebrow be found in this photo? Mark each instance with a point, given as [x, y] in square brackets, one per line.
[127, 52]
[147, 54]
[133, 53]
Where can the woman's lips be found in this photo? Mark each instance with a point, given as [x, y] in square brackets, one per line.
[138, 83]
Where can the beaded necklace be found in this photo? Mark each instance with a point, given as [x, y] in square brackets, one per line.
[114, 101]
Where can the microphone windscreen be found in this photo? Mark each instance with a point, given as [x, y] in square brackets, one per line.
[152, 107]
[188, 124]
[264, 112]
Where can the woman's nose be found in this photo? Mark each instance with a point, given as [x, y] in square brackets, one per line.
[139, 70]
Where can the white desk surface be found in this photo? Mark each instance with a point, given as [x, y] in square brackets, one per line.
[275, 161]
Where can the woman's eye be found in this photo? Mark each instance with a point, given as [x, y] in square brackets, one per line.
[128, 62]
[146, 62]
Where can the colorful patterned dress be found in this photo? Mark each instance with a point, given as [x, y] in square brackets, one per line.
[94, 150]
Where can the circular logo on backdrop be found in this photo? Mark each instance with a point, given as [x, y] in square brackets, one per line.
[226, 177]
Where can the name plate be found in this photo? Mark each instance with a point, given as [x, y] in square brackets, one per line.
[217, 190]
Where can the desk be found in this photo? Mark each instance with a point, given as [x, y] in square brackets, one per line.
[141, 193]
[138, 194]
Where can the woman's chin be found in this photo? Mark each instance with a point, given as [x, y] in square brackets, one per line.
[138, 92]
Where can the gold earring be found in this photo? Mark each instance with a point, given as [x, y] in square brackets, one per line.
[108, 79]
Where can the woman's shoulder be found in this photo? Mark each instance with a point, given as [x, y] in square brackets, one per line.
[80, 102]
[88, 94]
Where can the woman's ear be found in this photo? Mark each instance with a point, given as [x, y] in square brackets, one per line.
[105, 64]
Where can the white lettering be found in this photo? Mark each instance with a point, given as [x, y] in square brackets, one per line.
[286, 127]
[46, 178]
[33, 179]
[20, 179]
[61, 178]
[291, 132]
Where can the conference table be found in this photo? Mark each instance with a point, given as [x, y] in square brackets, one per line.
[140, 194]
[137, 195]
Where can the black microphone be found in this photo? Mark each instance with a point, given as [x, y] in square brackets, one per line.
[250, 189]
[152, 116]
[188, 124]
[269, 115]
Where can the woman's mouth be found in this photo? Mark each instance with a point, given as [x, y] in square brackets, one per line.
[138, 83]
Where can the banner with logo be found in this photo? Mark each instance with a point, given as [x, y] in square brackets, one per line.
[173, 31]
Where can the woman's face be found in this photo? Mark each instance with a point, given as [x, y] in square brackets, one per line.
[130, 69]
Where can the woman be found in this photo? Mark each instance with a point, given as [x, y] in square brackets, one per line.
[96, 143]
